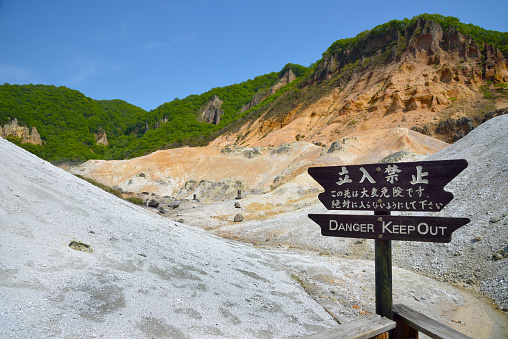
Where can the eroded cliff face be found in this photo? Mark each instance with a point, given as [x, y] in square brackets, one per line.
[288, 77]
[212, 111]
[14, 130]
[411, 79]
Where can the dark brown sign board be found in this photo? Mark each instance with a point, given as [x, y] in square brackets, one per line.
[402, 186]
[388, 227]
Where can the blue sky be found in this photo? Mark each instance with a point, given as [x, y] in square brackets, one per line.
[152, 51]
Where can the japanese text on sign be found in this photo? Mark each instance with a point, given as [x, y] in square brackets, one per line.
[416, 186]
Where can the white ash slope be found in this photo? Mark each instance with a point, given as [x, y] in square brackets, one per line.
[478, 253]
[145, 277]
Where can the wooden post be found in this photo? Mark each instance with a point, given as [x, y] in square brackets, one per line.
[432, 175]
[383, 263]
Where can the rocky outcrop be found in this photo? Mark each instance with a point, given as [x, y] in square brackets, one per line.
[455, 128]
[287, 78]
[258, 97]
[425, 38]
[14, 130]
[496, 65]
[341, 146]
[101, 138]
[246, 152]
[212, 111]
[211, 190]
[161, 121]
[452, 129]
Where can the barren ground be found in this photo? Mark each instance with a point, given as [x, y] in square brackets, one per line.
[77, 261]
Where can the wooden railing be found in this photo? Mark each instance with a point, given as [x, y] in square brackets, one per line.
[407, 325]
[366, 327]
[410, 322]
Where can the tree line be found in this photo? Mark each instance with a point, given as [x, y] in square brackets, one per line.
[479, 34]
[68, 121]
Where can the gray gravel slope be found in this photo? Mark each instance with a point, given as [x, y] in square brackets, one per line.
[478, 253]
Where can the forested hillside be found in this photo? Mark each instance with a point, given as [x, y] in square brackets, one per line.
[178, 123]
[69, 122]
[66, 119]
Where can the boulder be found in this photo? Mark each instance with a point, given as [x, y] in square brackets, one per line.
[153, 203]
[173, 205]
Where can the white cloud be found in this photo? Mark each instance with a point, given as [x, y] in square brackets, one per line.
[14, 74]
[188, 37]
[151, 45]
[83, 68]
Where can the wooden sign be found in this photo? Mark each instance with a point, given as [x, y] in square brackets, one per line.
[403, 186]
[388, 227]
[382, 188]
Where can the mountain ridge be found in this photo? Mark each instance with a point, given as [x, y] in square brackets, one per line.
[431, 64]
[391, 76]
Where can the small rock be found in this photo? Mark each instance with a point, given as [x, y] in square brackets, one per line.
[153, 203]
[497, 256]
[237, 205]
[238, 218]
[173, 205]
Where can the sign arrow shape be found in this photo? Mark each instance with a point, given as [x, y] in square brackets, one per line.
[402, 186]
[388, 227]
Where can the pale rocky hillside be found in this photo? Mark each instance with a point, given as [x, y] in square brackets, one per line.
[218, 172]
[79, 262]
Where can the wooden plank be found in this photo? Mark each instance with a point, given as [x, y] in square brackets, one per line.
[425, 324]
[361, 328]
